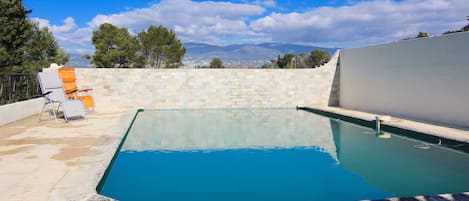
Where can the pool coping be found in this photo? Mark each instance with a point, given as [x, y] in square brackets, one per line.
[126, 125]
[423, 131]
[394, 124]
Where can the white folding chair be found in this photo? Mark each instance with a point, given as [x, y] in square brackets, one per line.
[53, 91]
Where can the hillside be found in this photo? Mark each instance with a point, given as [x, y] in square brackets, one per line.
[243, 55]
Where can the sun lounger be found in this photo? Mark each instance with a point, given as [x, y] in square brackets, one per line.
[67, 75]
[53, 91]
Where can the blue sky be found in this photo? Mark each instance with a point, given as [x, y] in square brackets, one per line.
[84, 11]
[334, 23]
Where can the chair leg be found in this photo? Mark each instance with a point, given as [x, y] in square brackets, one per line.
[54, 111]
[65, 116]
[42, 111]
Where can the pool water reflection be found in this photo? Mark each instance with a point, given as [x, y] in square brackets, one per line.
[274, 154]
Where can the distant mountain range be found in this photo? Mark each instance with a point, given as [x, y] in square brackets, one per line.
[243, 55]
[77, 60]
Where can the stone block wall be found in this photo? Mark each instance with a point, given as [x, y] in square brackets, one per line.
[209, 88]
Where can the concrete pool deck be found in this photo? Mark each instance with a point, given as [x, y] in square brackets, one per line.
[51, 160]
[457, 134]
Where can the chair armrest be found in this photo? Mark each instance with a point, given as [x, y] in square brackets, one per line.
[47, 93]
[71, 91]
[85, 90]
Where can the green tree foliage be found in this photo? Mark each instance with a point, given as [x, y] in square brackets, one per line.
[216, 63]
[160, 47]
[86, 56]
[304, 61]
[61, 58]
[285, 61]
[280, 62]
[290, 60]
[24, 47]
[267, 65]
[419, 35]
[463, 29]
[41, 50]
[14, 33]
[422, 35]
[115, 47]
[319, 57]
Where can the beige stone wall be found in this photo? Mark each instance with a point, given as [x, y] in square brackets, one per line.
[209, 88]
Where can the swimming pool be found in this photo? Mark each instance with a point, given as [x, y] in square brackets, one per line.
[275, 154]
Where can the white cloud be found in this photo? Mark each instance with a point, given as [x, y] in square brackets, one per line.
[41, 22]
[357, 23]
[69, 25]
[265, 3]
[69, 36]
[364, 23]
[216, 17]
[269, 3]
[211, 22]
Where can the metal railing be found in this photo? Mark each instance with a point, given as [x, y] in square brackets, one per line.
[16, 87]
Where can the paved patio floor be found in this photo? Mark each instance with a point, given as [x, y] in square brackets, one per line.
[52, 160]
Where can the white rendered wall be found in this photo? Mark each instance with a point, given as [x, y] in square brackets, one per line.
[421, 79]
[19, 110]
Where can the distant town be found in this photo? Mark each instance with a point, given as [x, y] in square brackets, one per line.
[233, 56]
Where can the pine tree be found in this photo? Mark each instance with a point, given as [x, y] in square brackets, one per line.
[216, 63]
[115, 47]
[422, 35]
[319, 57]
[41, 50]
[160, 47]
[15, 31]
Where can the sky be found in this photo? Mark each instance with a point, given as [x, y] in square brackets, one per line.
[332, 23]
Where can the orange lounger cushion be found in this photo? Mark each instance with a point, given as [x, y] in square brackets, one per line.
[69, 82]
[67, 74]
[87, 101]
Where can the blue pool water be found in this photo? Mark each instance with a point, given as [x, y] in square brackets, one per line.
[277, 154]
